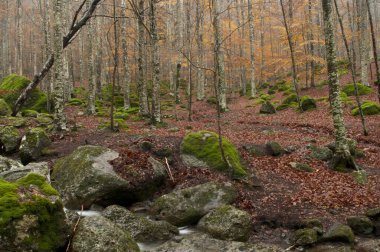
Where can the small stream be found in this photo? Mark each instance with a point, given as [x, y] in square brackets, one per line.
[183, 231]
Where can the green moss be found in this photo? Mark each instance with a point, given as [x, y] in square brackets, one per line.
[308, 103]
[285, 87]
[291, 98]
[118, 124]
[212, 100]
[305, 237]
[11, 88]
[24, 199]
[282, 107]
[5, 110]
[121, 115]
[204, 145]
[368, 107]
[29, 113]
[360, 177]
[76, 102]
[266, 97]
[362, 89]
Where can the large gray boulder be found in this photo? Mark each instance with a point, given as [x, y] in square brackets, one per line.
[201, 242]
[227, 223]
[33, 144]
[141, 229]
[86, 177]
[7, 164]
[9, 139]
[31, 216]
[98, 234]
[187, 206]
[19, 171]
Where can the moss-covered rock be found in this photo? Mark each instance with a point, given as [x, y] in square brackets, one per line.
[16, 172]
[362, 89]
[274, 149]
[373, 213]
[312, 223]
[301, 167]
[44, 120]
[9, 139]
[31, 216]
[86, 177]
[361, 225]
[267, 108]
[76, 102]
[187, 206]
[308, 103]
[368, 108]
[5, 110]
[141, 229]
[98, 234]
[17, 122]
[320, 153]
[32, 145]
[282, 107]
[340, 233]
[11, 88]
[290, 99]
[204, 146]
[227, 223]
[7, 164]
[305, 237]
[29, 113]
[256, 150]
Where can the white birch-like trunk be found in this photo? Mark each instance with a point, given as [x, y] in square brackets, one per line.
[200, 48]
[252, 48]
[90, 65]
[124, 43]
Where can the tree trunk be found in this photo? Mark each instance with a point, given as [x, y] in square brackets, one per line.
[156, 109]
[59, 114]
[90, 65]
[127, 78]
[200, 47]
[219, 55]
[252, 48]
[362, 19]
[342, 158]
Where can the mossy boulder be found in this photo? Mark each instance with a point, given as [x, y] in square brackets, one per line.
[308, 103]
[305, 237]
[98, 234]
[290, 99]
[361, 225]
[7, 164]
[31, 216]
[274, 149]
[44, 120]
[5, 110]
[12, 86]
[339, 233]
[86, 177]
[29, 113]
[33, 144]
[227, 223]
[256, 150]
[17, 122]
[368, 108]
[320, 153]
[373, 213]
[141, 229]
[301, 167]
[17, 171]
[362, 89]
[187, 206]
[202, 149]
[9, 139]
[202, 242]
[267, 108]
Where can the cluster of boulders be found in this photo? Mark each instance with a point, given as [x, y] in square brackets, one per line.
[311, 230]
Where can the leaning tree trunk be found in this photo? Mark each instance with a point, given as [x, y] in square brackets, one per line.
[353, 71]
[252, 48]
[342, 157]
[291, 47]
[156, 110]
[219, 61]
[375, 56]
[59, 69]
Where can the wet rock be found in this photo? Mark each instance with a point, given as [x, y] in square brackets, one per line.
[187, 206]
[98, 234]
[141, 229]
[227, 223]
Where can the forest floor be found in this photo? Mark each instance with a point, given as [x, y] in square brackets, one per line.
[280, 195]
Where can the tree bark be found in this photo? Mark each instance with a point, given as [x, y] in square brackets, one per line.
[252, 49]
[124, 42]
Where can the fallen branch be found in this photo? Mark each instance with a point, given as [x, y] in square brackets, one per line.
[74, 230]
[75, 27]
[169, 170]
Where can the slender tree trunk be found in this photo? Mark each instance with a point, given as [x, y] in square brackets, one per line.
[156, 110]
[342, 158]
[362, 19]
[374, 48]
[200, 47]
[142, 89]
[311, 42]
[19, 39]
[59, 114]
[90, 65]
[291, 46]
[252, 48]
[127, 78]
[219, 55]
